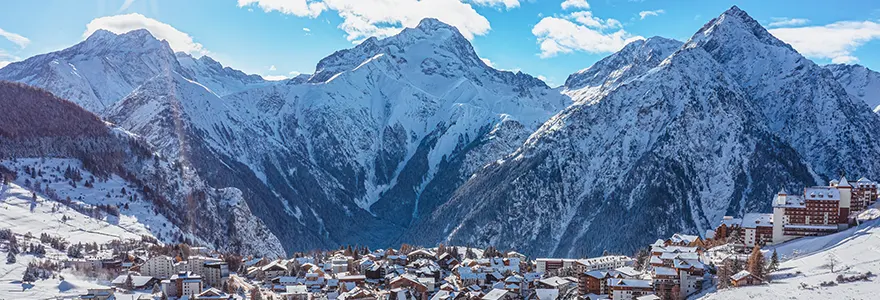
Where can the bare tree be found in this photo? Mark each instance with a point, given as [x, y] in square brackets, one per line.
[831, 261]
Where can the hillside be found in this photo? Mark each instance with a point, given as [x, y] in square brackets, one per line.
[804, 268]
[74, 155]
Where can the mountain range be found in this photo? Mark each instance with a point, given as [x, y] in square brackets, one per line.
[414, 139]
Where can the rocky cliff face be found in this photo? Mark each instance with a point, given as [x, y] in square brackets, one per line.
[859, 81]
[654, 146]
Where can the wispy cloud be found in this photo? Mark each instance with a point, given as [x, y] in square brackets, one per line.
[648, 13]
[178, 40]
[570, 4]
[362, 19]
[272, 68]
[6, 58]
[561, 35]
[506, 3]
[15, 38]
[487, 62]
[306, 29]
[836, 41]
[787, 22]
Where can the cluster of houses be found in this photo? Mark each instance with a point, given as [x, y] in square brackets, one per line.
[819, 210]
[675, 268]
[427, 273]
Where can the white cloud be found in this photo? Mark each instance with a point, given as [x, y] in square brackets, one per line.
[294, 73]
[786, 22]
[586, 18]
[272, 68]
[487, 62]
[300, 8]
[274, 77]
[542, 78]
[835, 41]
[15, 38]
[178, 40]
[363, 19]
[6, 58]
[557, 35]
[845, 59]
[647, 13]
[575, 4]
[506, 3]
[306, 29]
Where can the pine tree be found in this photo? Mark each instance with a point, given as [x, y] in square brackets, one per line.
[129, 283]
[10, 258]
[774, 263]
[756, 263]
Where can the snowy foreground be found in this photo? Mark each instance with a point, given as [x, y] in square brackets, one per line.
[803, 269]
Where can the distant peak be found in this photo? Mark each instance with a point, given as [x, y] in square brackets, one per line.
[735, 10]
[101, 34]
[432, 23]
[735, 26]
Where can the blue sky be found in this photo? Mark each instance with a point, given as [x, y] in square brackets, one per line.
[546, 38]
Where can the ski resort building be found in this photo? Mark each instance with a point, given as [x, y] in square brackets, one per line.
[820, 210]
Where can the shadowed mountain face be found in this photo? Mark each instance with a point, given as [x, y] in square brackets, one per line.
[414, 139]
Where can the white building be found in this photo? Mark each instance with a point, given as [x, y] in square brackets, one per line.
[182, 284]
[216, 273]
[161, 267]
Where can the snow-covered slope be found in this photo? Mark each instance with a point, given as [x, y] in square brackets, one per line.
[859, 81]
[106, 67]
[378, 136]
[630, 62]
[47, 135]
[46, 217]
[804, 268]
[662, 147]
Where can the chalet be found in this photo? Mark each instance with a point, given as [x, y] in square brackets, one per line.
[355, 294]
[447, 261]
[98, 294]
[213, 294]
[728, 225]
[272, 270]
[628, 289]
[420, 254]
[684, 240]
[410, 282]
[556, 283]
[138, 282]
[744, 278]
[500, 294]
[295, 292]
